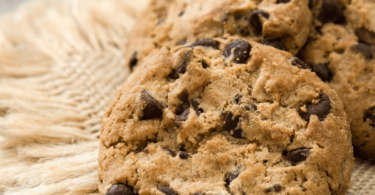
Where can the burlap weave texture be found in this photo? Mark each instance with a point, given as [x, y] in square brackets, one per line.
[60, 64]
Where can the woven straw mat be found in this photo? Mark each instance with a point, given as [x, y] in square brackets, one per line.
[60, 64]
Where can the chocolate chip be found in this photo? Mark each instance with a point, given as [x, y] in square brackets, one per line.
[282, 1]
[152, 108]
[184, 96]
[237, 98]
[182, 42]
[231, 177]
[299, 63]
[181, 13]
[275, 187]
[241, 51]
[177, 124]
[255, 107]
[322, 71]
[121, 189]
[169, 150]
[182, 148]
[195, 105]
[365, 36]
[255, 22]
[182, 69]
[364, 49]
[321, 110]
[183, 109]
[236, 133]
[204, 64]
[184, 155]
[231, 125]
[330, 11]
[276, 43]
[298, 155]
[206, 42]
[183, 116]
[370, 114]
[133, 60]
[166, 190]
[244, 31]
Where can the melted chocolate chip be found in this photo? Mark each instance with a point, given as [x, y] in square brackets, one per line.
[241, 50]
[184, 155]
[182, 69]
[152, 108]
[330, 11]
[363, 49]
[255, 21]
[365, 36]
[231, 125]
[322, 71]
[299, 63]
[181, 13]
[195, 105]
[206, 42]
[204, 64]
[133, 60]
[170, 151]
[121, 189]
[282, 1]
[321, 110]
[231, 177]
[276, 43]
[166, 190]
[182, 42]
[370, 114]
[275, 188]
[298, 155]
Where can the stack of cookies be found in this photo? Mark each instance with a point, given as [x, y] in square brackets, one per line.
[243, 97]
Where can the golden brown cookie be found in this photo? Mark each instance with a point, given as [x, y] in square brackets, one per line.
[225, 117]
[284, 24]
[348, 66]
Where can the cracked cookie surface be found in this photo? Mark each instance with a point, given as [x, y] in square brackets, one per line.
[347, 64]
[168, 23]
[235, 117]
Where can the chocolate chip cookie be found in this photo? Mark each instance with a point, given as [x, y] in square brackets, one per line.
[225, 116]
[361, 18]
[284, 24]
[348, 66]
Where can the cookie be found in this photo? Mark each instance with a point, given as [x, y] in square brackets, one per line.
[361, 14]
[284, 24]
[348, 66]
[227, 117]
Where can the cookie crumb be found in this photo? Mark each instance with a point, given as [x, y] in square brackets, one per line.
[303, 108]
[315, 101]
